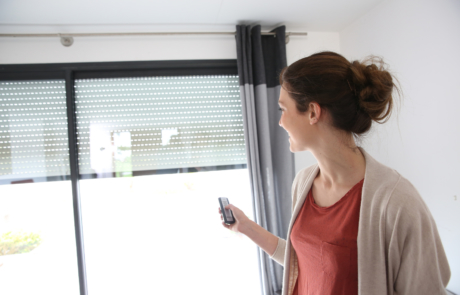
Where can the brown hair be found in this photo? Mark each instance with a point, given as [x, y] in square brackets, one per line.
[353, 93]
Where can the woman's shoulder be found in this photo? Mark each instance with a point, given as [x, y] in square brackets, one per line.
[385, 186]
[405, 197]
[399, 194]
[384, 180]
[398, 188]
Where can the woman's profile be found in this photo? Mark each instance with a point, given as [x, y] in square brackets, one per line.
[357, 226]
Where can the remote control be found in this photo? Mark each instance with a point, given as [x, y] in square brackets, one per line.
[227, 213]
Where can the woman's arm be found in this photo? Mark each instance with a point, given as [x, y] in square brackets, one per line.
[416, 254]
[259, 235]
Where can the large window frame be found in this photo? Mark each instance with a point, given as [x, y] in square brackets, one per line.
[71, 71]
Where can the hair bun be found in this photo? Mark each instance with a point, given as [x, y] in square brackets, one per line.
[354, 94]
[373, 85]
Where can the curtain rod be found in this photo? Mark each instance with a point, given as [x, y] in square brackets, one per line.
[139, 34]
[67, 38]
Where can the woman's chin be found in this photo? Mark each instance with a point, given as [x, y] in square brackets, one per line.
[292, 147]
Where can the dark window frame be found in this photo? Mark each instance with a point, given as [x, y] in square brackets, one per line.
[71, 71]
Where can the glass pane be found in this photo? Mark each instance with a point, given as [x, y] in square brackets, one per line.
[37, 237]
[160, 232]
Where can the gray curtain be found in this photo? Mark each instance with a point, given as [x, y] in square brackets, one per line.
[270, 162]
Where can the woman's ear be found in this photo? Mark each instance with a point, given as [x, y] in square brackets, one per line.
[315, 112]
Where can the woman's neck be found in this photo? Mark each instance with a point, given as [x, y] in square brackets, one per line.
[340, 164]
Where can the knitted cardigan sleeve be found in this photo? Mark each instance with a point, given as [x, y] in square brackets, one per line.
[416, 259]
[280, 251]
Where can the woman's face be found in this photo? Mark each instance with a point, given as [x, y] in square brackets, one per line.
[296, 124]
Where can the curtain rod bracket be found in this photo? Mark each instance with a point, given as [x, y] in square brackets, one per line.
[66, 40]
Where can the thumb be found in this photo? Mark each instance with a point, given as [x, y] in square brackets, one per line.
[229, 206]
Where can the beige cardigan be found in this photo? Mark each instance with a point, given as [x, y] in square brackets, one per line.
[399, 249]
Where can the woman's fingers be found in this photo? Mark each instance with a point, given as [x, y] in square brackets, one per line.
[236, 211]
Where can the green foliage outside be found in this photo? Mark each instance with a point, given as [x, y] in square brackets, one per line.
[20, 242]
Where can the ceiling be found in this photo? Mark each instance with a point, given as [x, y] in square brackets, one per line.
[178, 15]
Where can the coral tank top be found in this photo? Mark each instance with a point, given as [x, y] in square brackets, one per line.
[324, 239]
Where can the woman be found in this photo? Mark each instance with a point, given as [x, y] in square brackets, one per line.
[358, 226]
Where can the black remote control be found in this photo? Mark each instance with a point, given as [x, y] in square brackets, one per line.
[226, 213]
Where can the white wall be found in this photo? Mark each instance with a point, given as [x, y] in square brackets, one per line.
[102, 49]
[420, 40]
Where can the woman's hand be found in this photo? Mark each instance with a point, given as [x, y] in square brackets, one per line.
[263, 238]
[241, 220]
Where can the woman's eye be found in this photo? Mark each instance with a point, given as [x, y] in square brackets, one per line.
[280, 109]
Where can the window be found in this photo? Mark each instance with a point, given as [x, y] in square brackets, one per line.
[37, 238]
[124, 165]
